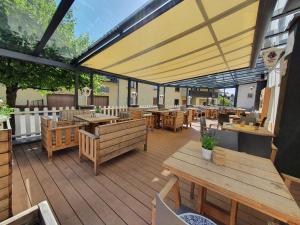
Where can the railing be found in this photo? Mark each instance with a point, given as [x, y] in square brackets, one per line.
[28, 122]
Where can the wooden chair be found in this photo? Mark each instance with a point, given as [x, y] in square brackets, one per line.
[58, 135]
[163, 215]
[188, 118]
[150, 120]
[112, 140]
[173, 121]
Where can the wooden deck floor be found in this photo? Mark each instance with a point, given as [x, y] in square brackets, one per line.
[121, 193]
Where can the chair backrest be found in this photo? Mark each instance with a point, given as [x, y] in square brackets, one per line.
[69, 114]
[136, 114]
[164, 215]
[225, 138]
[202, 122]
[248, 119]
[179, 118]
[255, 144]
[223, 117]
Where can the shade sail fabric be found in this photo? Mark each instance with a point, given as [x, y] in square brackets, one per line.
[194, 38]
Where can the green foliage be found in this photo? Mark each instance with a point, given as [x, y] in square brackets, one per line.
[208, 142]
[22, 24]
[224, 101]
[5, 110]
[98, 110]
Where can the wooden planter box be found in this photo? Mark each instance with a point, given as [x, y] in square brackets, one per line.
[5, 172]
[39, 214]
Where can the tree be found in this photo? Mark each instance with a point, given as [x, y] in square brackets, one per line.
[224, 101]
[34, 17]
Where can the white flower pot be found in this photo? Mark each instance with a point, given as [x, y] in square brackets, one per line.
[97, 114]
[206, 154]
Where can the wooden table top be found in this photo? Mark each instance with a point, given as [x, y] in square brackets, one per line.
[102, 118]
[247, 129]
[250, 180]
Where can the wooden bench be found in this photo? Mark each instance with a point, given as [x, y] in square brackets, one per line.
[112, 140]
[58, 135]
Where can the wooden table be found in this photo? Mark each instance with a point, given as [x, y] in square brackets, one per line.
[95, 121]
[247, 129]
[157, 114]
[244, 179]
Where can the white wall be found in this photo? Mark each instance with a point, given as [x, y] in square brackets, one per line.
[243, 100]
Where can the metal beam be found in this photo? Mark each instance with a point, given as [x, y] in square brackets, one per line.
[59, 14]
[264, 14]
[128, 93]
[288, 12]
[49, 62]
[134, 22]
[92, 88]
[76, 85]
[157, 94]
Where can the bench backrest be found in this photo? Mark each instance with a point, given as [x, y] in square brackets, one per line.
[68, 115]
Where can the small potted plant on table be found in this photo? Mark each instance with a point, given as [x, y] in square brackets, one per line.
[208, 143]
[98, 111]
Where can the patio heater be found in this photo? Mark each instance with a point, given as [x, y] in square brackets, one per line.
[161, 99]
[134, 98]
[189, 98]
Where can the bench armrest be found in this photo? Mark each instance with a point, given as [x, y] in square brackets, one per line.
[288, 180]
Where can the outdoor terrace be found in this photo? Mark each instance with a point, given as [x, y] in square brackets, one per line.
[120, 194]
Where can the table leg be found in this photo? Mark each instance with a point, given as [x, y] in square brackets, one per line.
[201, 198]
[233, 212]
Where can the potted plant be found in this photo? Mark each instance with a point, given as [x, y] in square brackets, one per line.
[98, 111]
[5, 112]
[208, 143]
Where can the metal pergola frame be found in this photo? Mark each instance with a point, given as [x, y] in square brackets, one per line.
[141, 17]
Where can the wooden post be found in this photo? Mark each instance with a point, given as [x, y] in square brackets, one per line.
[233, 212]
[92, 88]
[128, 92]
[76, 90]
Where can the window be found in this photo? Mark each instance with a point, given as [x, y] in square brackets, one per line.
[103, 89]
[133, 84]
[177, 89]
[176, 101]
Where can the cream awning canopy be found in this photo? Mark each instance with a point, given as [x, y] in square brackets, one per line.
[151, 41]
[191, 39]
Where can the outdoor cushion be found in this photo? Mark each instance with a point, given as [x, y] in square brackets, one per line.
[195, 219]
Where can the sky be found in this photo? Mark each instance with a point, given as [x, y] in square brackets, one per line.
[97, 17]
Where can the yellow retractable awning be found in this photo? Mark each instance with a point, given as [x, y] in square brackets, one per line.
[194, 38]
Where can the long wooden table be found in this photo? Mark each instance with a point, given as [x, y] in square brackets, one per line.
[247, 129]
[95, 121]
[244, 179]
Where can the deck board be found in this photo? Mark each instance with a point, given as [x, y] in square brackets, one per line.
[121, 193]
